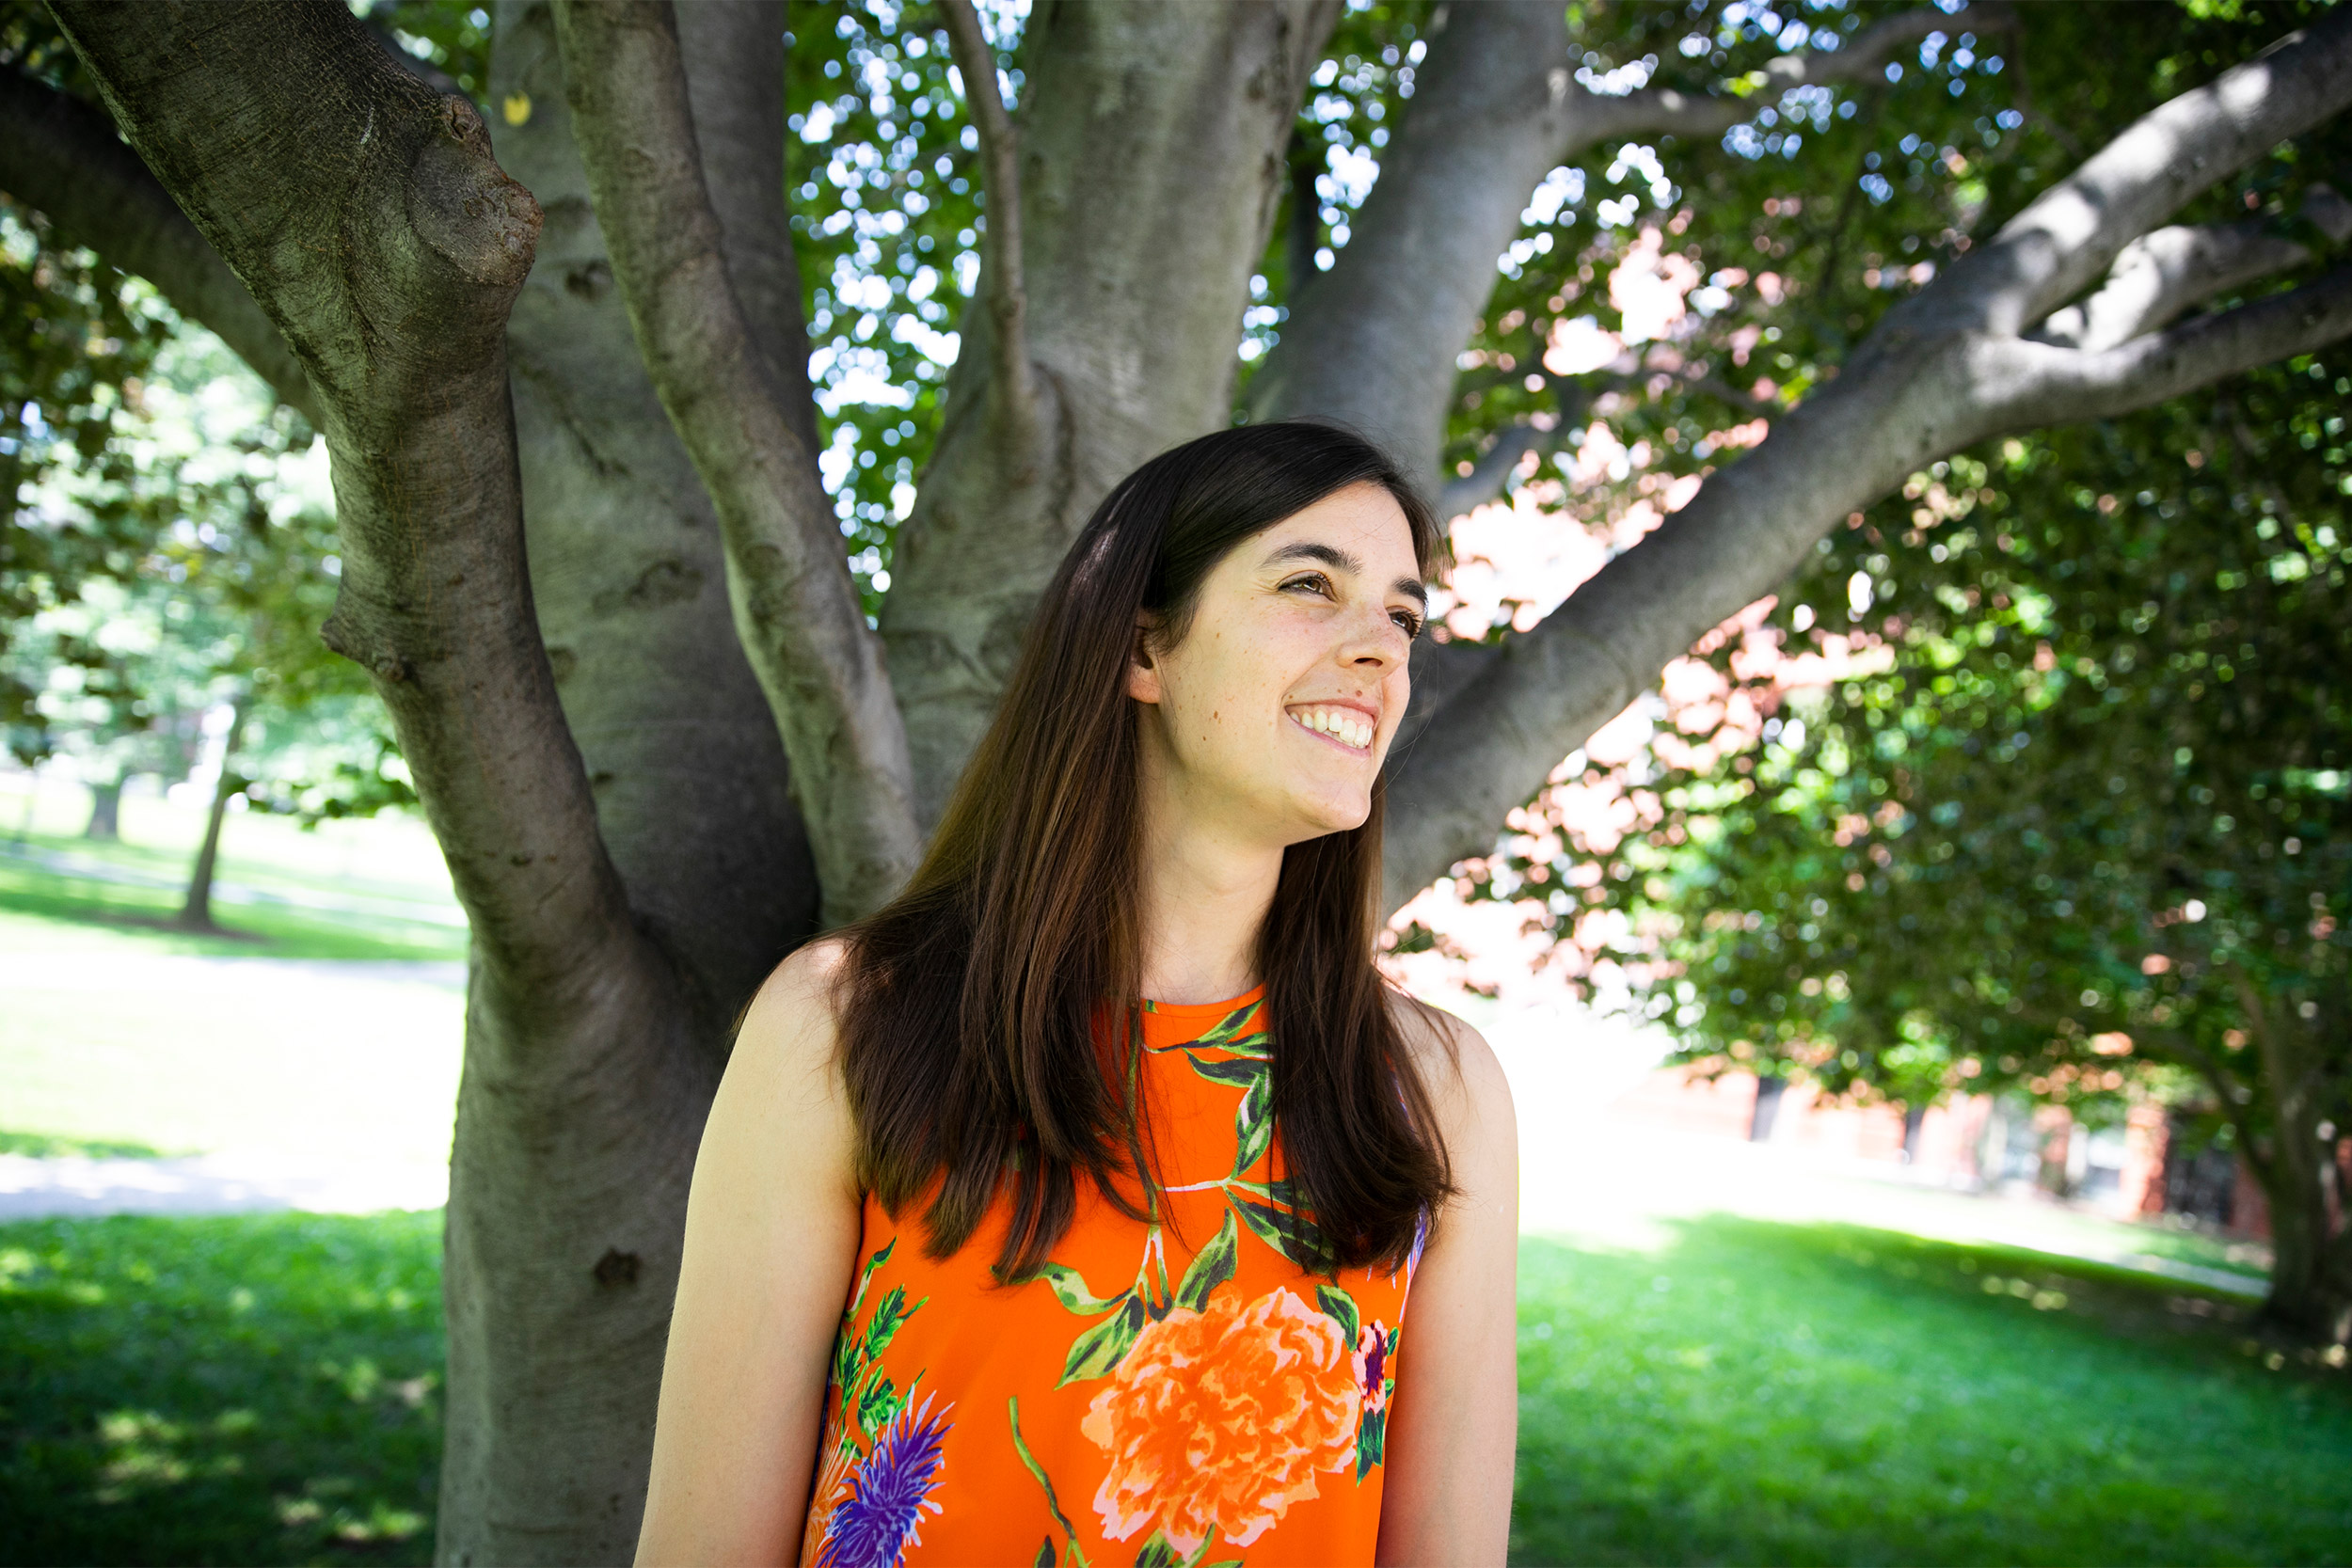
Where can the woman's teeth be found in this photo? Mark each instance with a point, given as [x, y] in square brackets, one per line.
[1341, 725]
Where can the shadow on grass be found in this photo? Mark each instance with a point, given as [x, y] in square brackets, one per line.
[254, 930]
[42, 1145]
[1755, 1392]
[249, 1389]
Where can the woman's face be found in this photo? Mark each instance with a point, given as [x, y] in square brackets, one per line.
[1272, 716]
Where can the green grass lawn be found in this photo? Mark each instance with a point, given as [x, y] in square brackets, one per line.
[266, 1389]
[112, 1043]
[256, 1389]
[1765, 1393]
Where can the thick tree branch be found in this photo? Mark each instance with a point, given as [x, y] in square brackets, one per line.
[1011, 388]
[2071, 233]
[61, 157]
[734, 55]
[2160, 274]
[1937, 374]
[2034, 384]
[367, 215]
[1374, 341]
[796, 607]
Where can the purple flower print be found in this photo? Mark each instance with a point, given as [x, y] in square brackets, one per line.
[878, 1521]
[1374, 1344]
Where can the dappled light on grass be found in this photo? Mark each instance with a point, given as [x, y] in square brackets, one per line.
[1752, 1392]
[246, 1389]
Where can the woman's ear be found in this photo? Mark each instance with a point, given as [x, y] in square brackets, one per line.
[1143, 671]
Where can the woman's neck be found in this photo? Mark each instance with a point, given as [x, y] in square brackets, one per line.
[1205, 891]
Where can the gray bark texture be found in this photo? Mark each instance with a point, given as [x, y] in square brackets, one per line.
[503, 352]
[1152, 141]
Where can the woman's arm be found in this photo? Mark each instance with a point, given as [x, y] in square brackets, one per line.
[1453, 1423]
[771, 1236]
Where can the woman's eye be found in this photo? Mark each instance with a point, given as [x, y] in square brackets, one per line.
[1408, 622]
[1314, 582]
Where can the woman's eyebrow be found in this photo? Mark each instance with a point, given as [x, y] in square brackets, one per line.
[1339, 560]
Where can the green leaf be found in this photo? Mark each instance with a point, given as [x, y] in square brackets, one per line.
[1100, 1349]
[1342, 1308]
[1209, 1267]
[865, 1274]
[1045, 1554]
[1157, 1553]
[1071, 1287]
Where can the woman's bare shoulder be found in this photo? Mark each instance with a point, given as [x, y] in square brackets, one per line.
[1456, 1065]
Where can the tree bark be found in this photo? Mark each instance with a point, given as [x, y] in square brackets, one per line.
[693, 796]
[105, 810]
[1152, 164]
[369, 218]
[62, 157]
[2310, 1271]
[796, 608]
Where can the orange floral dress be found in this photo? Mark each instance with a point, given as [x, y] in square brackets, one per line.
[1206, 1389]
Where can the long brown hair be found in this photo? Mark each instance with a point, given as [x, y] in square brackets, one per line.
[972, 1008]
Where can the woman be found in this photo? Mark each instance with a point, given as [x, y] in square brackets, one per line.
[1122, 1157]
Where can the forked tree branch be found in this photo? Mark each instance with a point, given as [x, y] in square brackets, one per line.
[62, 158]
[796, 607]
[2160, 274]
[1000, 160]
[2034, 384]
[1938, 373]
[367, 215]
[2068, 235]
[1374, 341]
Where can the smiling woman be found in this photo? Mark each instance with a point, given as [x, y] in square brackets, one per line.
[1071, 1205]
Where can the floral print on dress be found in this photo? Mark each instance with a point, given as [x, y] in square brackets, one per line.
[1195, 1387]
[1219, 1420]
[867, 1507]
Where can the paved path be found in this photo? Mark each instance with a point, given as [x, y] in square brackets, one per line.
[212, 1184]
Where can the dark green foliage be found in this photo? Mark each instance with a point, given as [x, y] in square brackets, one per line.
[241, 1390]
[1763, 1393]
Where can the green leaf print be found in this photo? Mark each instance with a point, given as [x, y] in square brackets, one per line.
[890, 1315]
[1242, 1074]
[1071, 1287]
[876, 1406]
[1253, 1125]
[1158, 1552]
[1100, 1349]
[1227, 1034]
[1372, 1442]
[1211, 1267]
[1280, 1226]
[1342, 1308]
[1045, 1554]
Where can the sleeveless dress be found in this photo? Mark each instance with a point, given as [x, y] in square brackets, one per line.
[1202, 1390]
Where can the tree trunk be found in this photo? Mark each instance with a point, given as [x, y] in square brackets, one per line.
[105, 810]
[2310, 1271]
[195, 909]
[1153, 142]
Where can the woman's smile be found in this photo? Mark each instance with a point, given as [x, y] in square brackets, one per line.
[1344, 725]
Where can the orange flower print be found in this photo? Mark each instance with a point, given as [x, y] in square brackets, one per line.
[1219, 1419]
